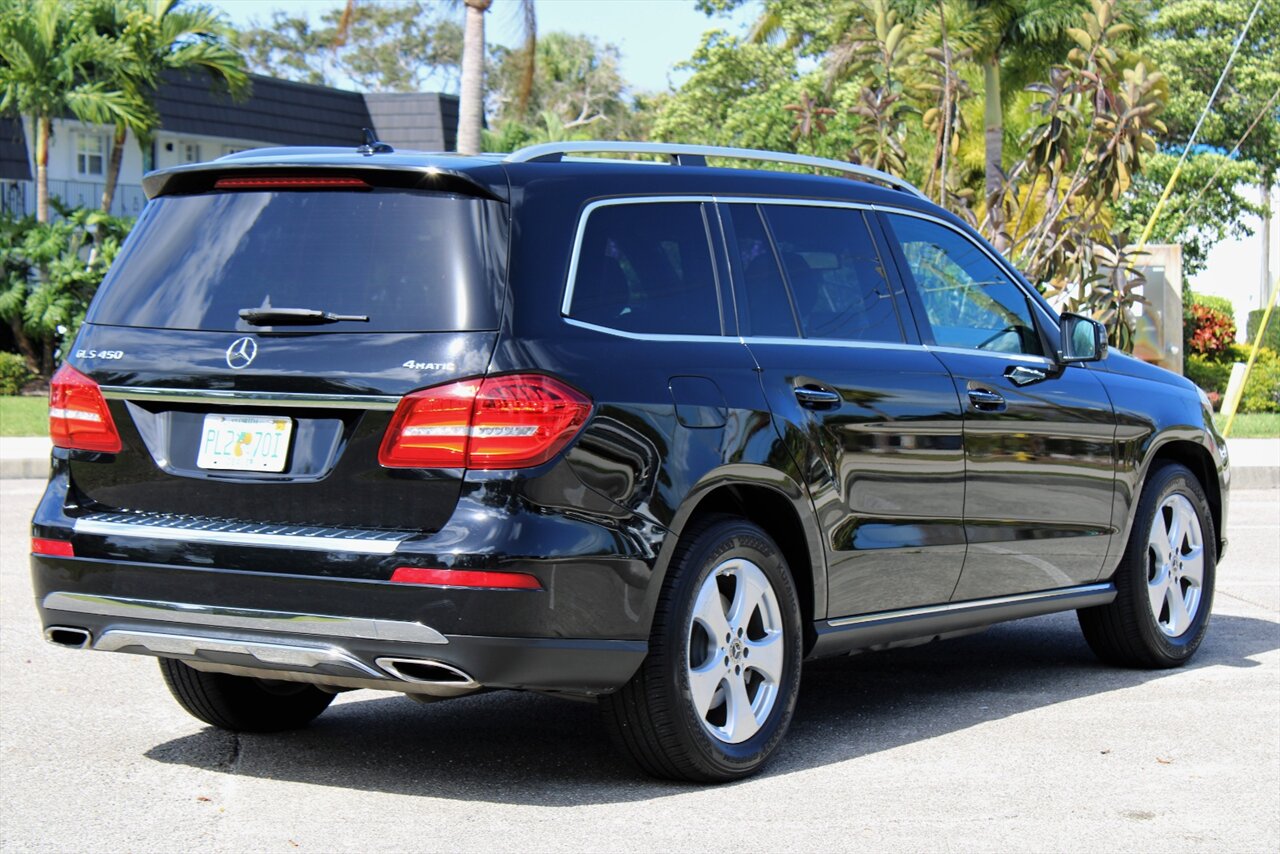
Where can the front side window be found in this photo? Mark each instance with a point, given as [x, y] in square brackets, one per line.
[970, 302]
[646, 267]
[91, 154]
[838, 280]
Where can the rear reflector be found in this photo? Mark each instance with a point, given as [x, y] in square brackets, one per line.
[52, 548]
[465, 578]
[506, 422]
[290, 184]
[78, 414]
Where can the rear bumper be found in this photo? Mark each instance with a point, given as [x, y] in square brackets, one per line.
[329, 632]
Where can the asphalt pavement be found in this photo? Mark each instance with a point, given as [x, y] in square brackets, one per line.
[1015, 739]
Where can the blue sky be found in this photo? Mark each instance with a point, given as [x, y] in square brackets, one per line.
[653, 35]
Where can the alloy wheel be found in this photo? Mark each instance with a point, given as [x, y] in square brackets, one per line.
[1175, 565]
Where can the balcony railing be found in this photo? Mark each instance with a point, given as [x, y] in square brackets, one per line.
[19, 197]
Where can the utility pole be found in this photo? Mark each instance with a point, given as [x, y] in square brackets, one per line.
[1264, 286]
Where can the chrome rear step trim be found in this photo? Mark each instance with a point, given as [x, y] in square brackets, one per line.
[250, 398]
[284, 622]
[231, 532]
[285, 655]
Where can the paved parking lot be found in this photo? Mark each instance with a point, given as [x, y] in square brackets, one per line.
[1014, 739]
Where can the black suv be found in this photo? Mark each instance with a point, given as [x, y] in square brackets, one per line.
[652, 433]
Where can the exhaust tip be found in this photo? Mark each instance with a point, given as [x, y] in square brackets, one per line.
[427, 672]
[67, 636]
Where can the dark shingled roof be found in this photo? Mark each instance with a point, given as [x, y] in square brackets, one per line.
[277, 111]
[14, 163]
[425, 121]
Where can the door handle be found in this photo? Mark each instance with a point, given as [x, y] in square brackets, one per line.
[812, 397]
[986, 400]
[1022, 375]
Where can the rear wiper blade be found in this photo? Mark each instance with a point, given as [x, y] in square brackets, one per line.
[296, 316]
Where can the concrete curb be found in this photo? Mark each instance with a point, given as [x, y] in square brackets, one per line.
[1255, 463]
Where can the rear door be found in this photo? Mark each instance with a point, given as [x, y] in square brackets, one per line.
[870, 415]
[263, 420]
[1039, 438]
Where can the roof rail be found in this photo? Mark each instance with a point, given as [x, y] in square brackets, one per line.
[696, 155]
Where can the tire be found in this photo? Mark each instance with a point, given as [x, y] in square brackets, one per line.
[1160, 613]
[686, 714]
[242, 703]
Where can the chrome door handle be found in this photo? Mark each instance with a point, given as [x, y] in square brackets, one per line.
[817, 398]
[986, 400]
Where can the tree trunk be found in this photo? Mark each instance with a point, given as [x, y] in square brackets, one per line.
[993, 119]
[25, 347]
[44, 127]
[113, 167]
[471, 97]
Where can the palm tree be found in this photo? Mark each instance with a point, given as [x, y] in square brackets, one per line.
[471, 96]
[48, 57]
[157, 35]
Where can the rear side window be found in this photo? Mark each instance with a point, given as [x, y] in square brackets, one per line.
[410, 261]
[837, 278]
[969, 301]
[646, 267]
[767, 310]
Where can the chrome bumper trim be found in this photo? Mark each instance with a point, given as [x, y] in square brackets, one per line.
[235, 533]
[972, 605]
[284, 622]
[251, 398]
[281, 655]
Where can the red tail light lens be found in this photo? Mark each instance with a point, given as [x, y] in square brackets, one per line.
[506, 422]
[78, 414]
[52, 548]
[465, 578]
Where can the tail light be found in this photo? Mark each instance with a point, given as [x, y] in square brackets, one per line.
[507, 422]
[78, 414]
[52, 548]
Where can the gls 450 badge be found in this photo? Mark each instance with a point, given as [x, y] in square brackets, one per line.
[100, 354]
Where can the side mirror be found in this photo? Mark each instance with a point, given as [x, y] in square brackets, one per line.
[1083, 339]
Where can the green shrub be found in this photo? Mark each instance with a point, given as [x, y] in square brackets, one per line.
[1262, 391]
[1210, 374]
[1272, 336]
[13, 373]
[1221, 304]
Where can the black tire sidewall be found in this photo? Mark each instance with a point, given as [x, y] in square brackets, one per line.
[724, 541]
[1166, 481]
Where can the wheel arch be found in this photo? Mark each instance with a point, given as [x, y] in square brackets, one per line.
[1196, 458]
[778, 505]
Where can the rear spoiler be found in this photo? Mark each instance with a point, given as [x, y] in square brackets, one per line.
[407, 173]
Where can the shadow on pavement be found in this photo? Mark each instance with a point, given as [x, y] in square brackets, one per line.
[509, 747]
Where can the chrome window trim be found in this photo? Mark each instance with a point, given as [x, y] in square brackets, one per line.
[971, 605]
[185, 613]
[650, 336]
[100, 528]
[833, 342]
[250, 398]
[1029, 358]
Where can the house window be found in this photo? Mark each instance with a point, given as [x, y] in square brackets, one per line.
[231, 149]
[191, 152]
[91, 154]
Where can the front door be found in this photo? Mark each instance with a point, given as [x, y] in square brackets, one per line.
[1039, 437]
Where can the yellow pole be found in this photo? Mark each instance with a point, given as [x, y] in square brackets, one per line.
[1164, 197]
[1253, 354]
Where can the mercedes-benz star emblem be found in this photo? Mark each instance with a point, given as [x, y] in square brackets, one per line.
[241, 353]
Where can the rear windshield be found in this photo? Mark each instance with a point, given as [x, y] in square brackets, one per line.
[410, 261]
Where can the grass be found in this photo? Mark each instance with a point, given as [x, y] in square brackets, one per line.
[1256, 425]
[24, 416]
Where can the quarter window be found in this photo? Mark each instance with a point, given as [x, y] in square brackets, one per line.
[969, 301]
[838, 281]
[646, 267]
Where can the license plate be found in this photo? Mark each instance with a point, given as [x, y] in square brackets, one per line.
[244, 442]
